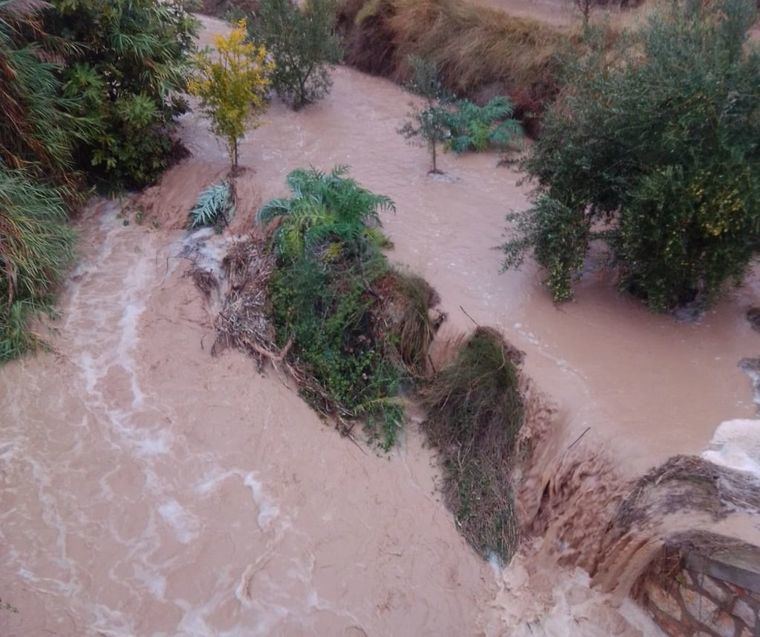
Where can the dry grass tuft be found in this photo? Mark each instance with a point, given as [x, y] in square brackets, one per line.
[408, 313]
[244, 322]
[477, 48]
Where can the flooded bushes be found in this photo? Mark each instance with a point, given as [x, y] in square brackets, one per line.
[658, 158]
[303, 45]
[88, 89]
[316, 295]
[232, 84]
[475, 412]
[478, 128]
[352, 323]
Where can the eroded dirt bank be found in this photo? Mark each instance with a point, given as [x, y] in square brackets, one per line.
[150, 489]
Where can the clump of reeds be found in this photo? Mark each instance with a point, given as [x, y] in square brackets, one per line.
[35, 249]
[244, 322]
[408, 299]
[475, 412]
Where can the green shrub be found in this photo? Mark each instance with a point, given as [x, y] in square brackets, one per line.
[658, 155]
[478, 128]
[303, 43]
[475, 412]
[35, 249]
[128, 64]
[336, 300]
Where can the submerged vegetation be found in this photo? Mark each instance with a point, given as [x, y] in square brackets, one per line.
[350, 324]
[428, 120]
[214, 207]
[658, 157]
[475, 412]
[459, 124]
[478, 128]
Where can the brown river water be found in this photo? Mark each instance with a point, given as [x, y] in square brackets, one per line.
[148, 488]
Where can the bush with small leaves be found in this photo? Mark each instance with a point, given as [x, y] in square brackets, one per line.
[302, 41]
[657, 156]
[232, 83]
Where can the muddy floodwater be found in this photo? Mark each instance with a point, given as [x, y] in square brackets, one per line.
[148, 488]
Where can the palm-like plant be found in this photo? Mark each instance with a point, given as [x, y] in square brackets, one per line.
[213, 207]
[477, 128]
[325, 208]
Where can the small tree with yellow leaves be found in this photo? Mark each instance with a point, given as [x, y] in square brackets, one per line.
[232, 82]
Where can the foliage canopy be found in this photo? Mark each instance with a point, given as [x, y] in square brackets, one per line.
[658, 156]
[126, 65]
[303, 43]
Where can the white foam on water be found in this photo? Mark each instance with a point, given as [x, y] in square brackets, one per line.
[736, 445]
[268, 510]
[564, 604]
[186, 526]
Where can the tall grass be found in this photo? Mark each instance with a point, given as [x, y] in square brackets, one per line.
[37, 133]
[474, 47]
[37, 128]
[35, 249]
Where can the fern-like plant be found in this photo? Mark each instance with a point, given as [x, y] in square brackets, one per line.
[325, 207]
[326, 294]
[478, 128]
[214, 207]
